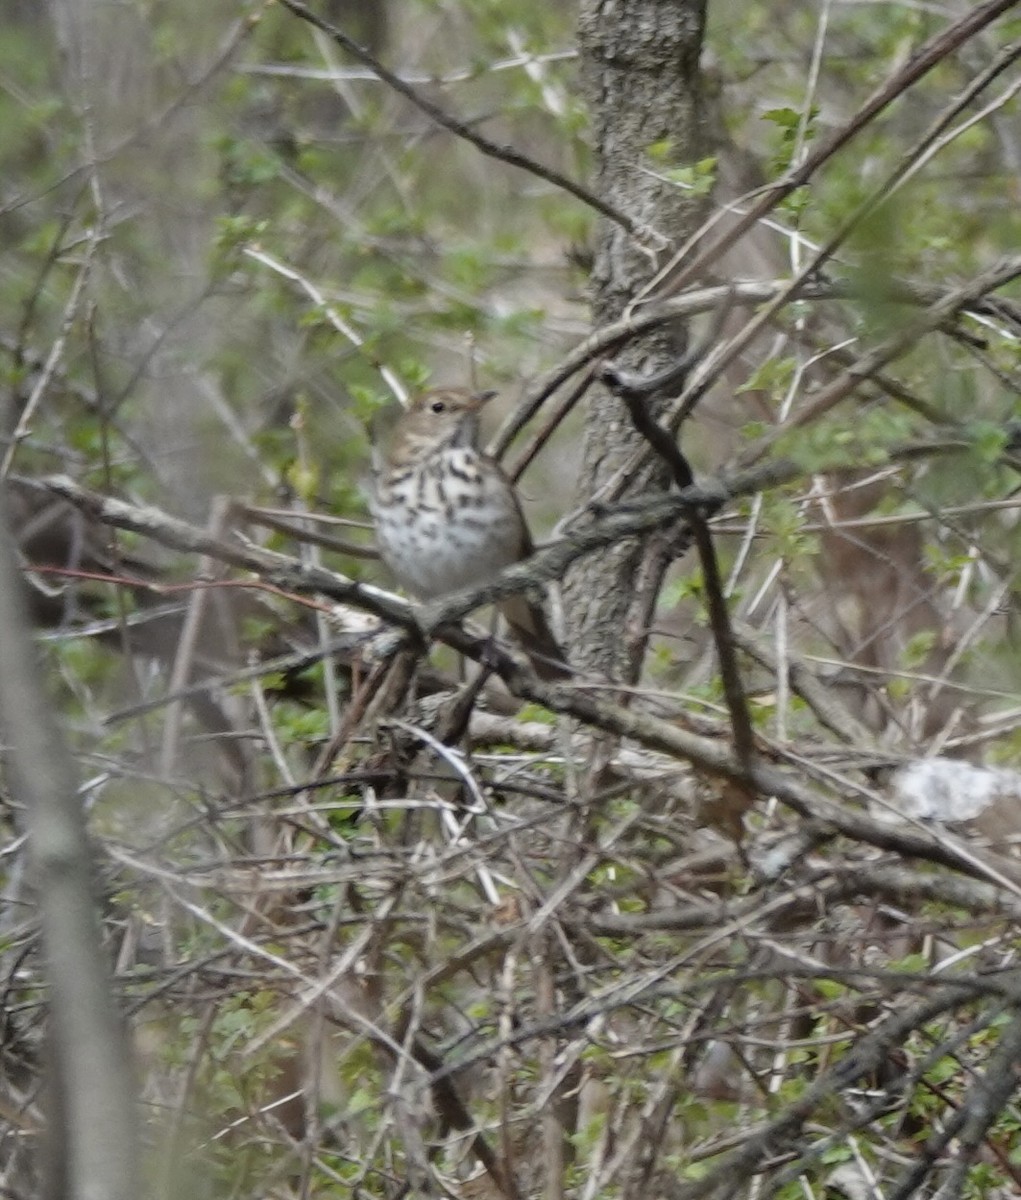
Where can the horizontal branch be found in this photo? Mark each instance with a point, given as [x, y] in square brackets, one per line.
[716, 758]
[287, 572]
[898, 885]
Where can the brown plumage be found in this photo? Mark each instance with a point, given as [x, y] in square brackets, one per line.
[447, 517]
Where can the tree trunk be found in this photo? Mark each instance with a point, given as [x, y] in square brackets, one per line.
[640, 74]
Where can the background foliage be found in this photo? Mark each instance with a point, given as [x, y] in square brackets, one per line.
[355, 960]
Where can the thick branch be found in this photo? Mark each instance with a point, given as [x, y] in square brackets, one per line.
[286, 572]
[92, 1126]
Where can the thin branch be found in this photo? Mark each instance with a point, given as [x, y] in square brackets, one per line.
[567, 405]
[716, 603]
[953, 301]
[868, 1053]
[909, 164]
[330, 311]
[714, 757]
[70, 315]
[686, 266]
[481, 143]
[777, 292]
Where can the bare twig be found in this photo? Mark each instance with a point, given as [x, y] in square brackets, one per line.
[686, 266]
[569, 700]
[442, 118]
[716, 603]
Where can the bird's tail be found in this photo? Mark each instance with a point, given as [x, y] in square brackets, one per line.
[531, 630]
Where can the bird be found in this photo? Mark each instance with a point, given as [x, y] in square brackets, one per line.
[447, 517]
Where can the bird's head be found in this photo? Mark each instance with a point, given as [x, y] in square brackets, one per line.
[436, 420]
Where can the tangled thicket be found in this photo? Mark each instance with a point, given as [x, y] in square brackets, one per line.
[383, 927]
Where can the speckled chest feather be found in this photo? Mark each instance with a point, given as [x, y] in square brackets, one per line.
[447, 522]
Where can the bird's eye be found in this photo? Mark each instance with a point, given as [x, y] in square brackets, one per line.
[437, 406]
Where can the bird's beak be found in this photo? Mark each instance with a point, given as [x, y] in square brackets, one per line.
[481, 398]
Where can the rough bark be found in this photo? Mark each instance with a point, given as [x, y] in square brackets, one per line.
[640, 75]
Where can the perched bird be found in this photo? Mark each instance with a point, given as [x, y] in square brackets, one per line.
[447, 517]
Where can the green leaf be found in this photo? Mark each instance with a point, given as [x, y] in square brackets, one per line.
[783, 118]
